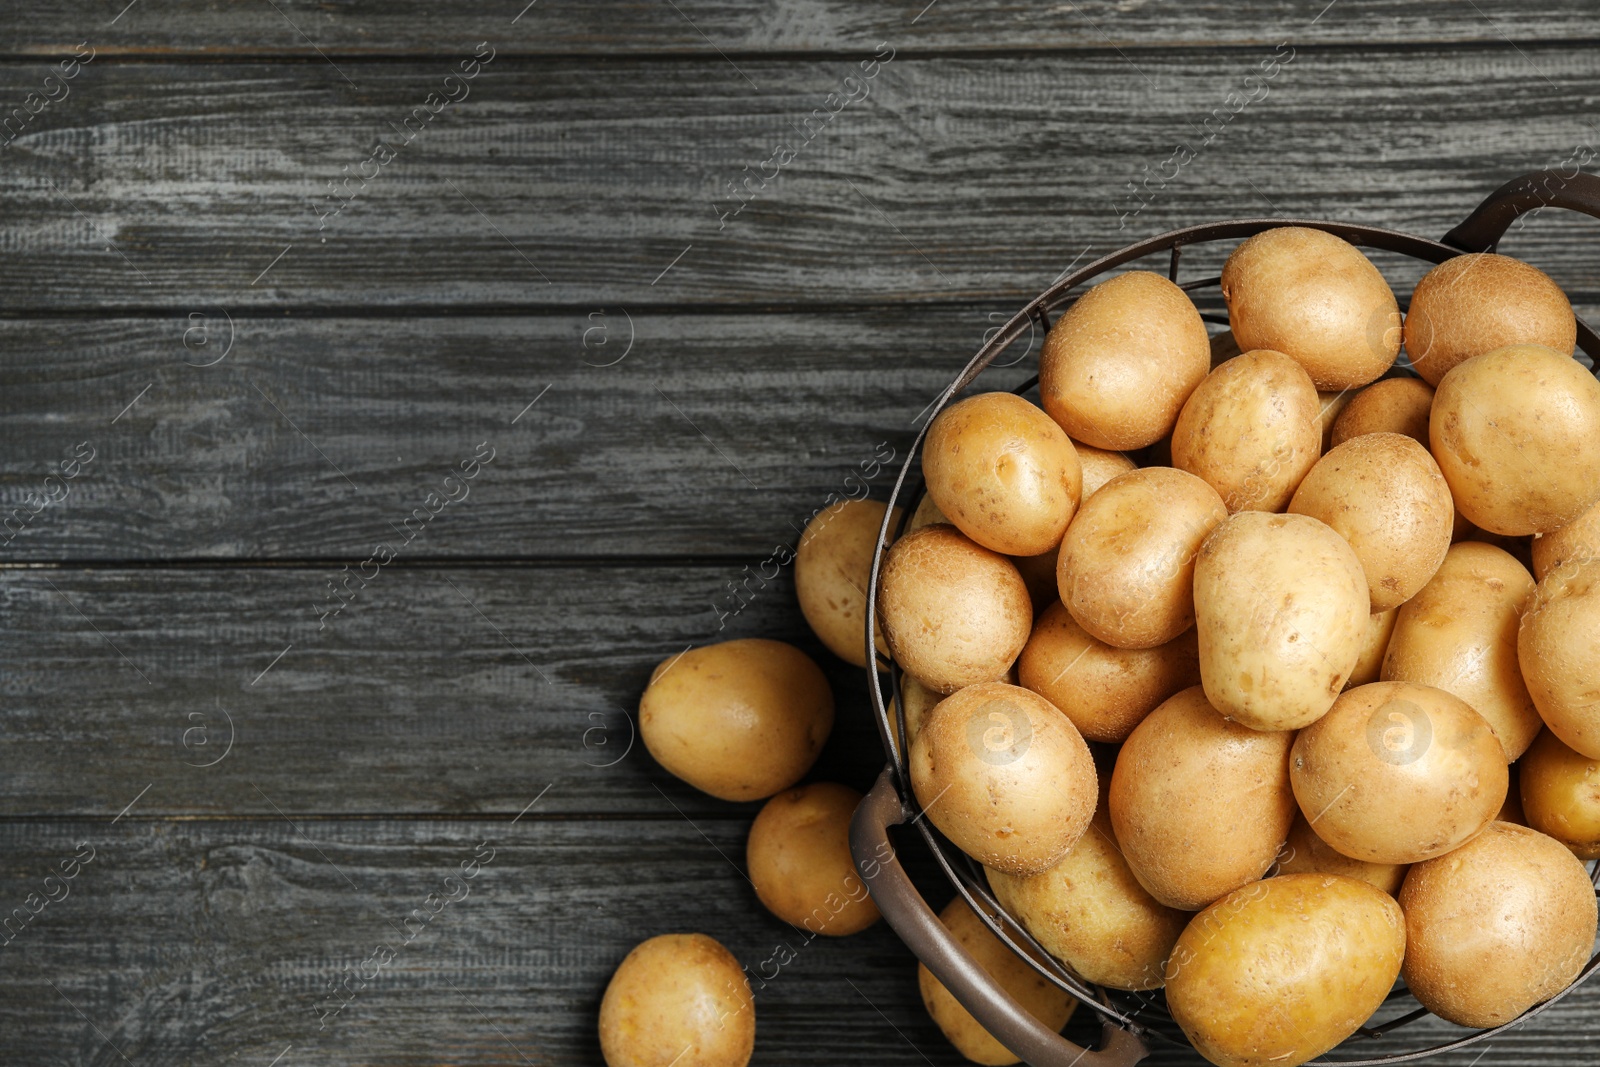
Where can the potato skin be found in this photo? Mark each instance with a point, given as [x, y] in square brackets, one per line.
[1199, 805]
[1281, 608]
[832, 569]
[1330, 406]
[1118, 365]
[1251, 431]
[1393, 405]
[1500, 924]
[1479, 302]
[1369, 664]
[1126, 569]
[678, 998]
[1398, 773]
[1283, 970]
[1306, 853]
[1560, 655]
[1560, 792]
[1578, 539]
[1100, 465]
[798, 855]
[740, 720]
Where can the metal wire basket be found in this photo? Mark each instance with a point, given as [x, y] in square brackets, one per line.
[1130, 1020]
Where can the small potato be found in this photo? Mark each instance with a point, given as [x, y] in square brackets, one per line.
[1251, 431]
[1281, 607]
[1316, 298]
[1500, 924]
[954, 613]
[1106, 691]
[1561, 795]
[1121, 361]
[1398, 773]
[1004, 472]
[927, 514]
[1329, 407]
[1479, 302]
[1306, 853]
[1100, 465]
[1200, 805]
[1092, 914]
[1005, 776]
[1040, 997]
[1126, 569]
[1516, 432]
[832, 568]
[1370, 663]
[1459, 634]
[1283, 970]
[740, 720]
[1578, 539]
[1558, 646]
[1393, 405]
[798, 855]
[919, 701]
[678, 999]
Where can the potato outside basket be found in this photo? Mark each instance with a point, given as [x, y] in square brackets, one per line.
[1129, 1020]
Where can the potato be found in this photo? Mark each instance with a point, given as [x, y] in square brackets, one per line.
[1315, 298]
[1200, 805]
[919, 701]
[798, 855]
[1393, 405]
[1561, 794]
[1511, 810]
[1041, 998]
[954, 613]
[1126, 570]
[1479, 302]
[740, 720]
[1516, 432]
[1559, 650]
[832, 569]
[1329, 407]
[1039, 575]
[1370, 663]
[1283, 970]
[1500, 924]
[1251, 431]
[1106, 691]
[678, 999]
[1092, 914]
[1281, 607]
[1398, 773]
[927, 514]
[1459, 634]
[1578, 539]
[1004, 472]
[1121, 361]
[1100, 465]
[1306, 853]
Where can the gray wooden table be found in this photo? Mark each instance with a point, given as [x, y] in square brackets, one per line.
[388, 387]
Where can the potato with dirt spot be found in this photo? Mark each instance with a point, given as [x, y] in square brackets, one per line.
[832, 569]
[1558, 646]
[1560, 792]
[678, 999]
[1393, 405]
[1479, 302]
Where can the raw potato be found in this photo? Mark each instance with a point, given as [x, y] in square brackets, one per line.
[1516, 432]
[1281, 607]
[1306, 853]
[1283, 970]
[1476, 303]
[678, 999]
[1559, 648]
[1100, 465]
[1251, 431]
[798, 855]
[1039, 575]
[1393, 405]
[1459, 634]
[1316, 298]
[1200, 805]
[1501, 924]
[1118, 365]
[1370, 663]
[1126, 570]
[832, 568]
[1004, 472]
[1561, 795]
[1578, 539]
[1329, 407]
[1398, 773]
[954, 613]
[919, 701]
[1384, 494]
[1092, 914]
[740, 720]
[1005, 776]
[927, 514]
[1105, 691]
[1042, 999]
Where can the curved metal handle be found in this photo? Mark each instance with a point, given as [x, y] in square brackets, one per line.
[910, 917]
[1490, 220]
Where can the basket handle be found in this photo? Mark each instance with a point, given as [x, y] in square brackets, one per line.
[1490, 220]
[910, 917]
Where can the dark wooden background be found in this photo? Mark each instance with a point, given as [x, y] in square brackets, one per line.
[697, 390]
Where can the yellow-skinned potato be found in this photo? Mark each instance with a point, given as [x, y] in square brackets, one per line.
[1200, 805]
[1306, 853]
[1251, 430]
[919, 701]
[1039, 575]
[1479, 302]
[1578, 539]
[1005, 776]
[1316, 298]
[1281, 971]
[1502, 923]
[1393, 405]
[740, 720]
[798, 855]
[1004, 473]
[1558, 646]
[832, 569]
[1330, 405]
[1459, 634]
[954, 613]
[927, 514]
[1100, 465]
[1516, 432]
[1126, 569]
[1561, 794]
[1090, 912]
[1106, 691]
[1398, 773]
[1120, 362]
[678, 998]
[1041, 998]
[1369, 664]
[1281, 607]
